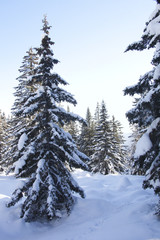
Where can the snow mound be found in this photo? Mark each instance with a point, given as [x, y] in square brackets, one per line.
[124, 183]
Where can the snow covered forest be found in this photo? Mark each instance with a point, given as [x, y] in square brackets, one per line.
[50, 157]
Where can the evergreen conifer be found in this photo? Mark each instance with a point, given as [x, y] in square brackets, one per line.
[146, 112]
[46, 147]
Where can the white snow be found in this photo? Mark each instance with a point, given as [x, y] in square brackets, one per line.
[154, 12]
[32, 107]
[23, 138]
[148, 96]
[20, 163]
[144, 144]
[40, 91]
[156, 73]
[152, 29]
[36, 183]
[115, 208]
[41, 164]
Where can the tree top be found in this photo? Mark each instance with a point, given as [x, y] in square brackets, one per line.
[46, 26]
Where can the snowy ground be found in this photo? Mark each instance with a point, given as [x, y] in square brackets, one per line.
[115, 208]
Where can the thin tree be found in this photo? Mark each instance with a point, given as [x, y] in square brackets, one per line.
[3, 137]
[118, 149]
[72, 128]
[86, 137]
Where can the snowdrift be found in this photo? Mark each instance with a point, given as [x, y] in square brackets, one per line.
[115, 208]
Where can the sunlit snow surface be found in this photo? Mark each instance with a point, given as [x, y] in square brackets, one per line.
[115, 208]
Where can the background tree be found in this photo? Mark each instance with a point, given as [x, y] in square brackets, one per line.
[135, 166]
[72, 128]
[1, 135]
[18, 123]
[3, 138]
[100, 160]
[97, 114]
[46, 147]
[146, 113]
[118, 149]
[86, 137]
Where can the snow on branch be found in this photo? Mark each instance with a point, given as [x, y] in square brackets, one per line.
[144, 144]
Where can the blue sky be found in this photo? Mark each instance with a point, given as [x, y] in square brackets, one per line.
[90, 38]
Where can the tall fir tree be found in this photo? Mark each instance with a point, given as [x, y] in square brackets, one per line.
[146, 113]
[46, 147]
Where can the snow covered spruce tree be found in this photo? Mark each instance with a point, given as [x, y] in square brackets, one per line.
[47, 148]
[19, 123]
[146, 112]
